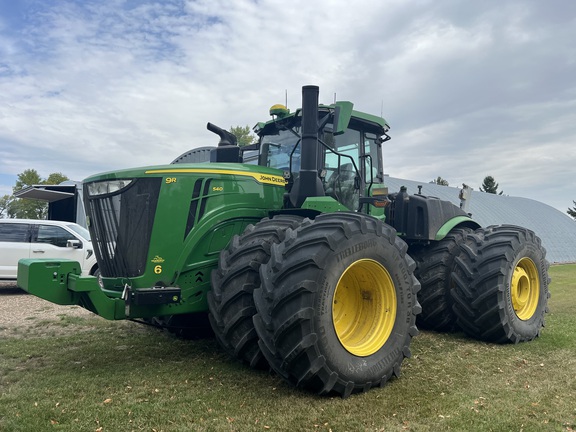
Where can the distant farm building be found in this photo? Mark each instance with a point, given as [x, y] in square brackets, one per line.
[556, 229]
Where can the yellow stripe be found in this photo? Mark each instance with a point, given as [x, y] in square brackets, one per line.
[259, 177]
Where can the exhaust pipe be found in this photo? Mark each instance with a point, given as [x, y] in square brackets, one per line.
[308, 183]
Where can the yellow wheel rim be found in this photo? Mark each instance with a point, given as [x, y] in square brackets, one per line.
[525, 289]
[364, 307]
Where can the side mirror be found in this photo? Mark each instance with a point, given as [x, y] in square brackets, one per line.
[342, 116]
[75, 244]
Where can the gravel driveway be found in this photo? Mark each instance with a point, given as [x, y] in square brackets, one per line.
[20, 311]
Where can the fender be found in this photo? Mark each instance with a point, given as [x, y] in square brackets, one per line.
[421, 217]
[464, 221]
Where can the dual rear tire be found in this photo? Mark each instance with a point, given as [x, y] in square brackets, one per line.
[491, 283]
[501, 285]
[434, 267]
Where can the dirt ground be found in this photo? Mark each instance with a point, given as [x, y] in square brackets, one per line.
[20, 311]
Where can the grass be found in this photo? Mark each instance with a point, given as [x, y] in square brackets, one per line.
[120, 376]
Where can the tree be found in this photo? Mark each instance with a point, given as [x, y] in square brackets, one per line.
[440, 181]
[55, 178]
[29, 208]
[5, 202]
[490, 186]
[25, 208]
[244, 135]
[26, 178]
[572, 211]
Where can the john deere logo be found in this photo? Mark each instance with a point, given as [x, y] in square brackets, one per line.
[157, 259]
[272, 179]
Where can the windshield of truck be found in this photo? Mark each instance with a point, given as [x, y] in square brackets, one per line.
[83, 232]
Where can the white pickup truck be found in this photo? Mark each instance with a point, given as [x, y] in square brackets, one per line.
[30, 238]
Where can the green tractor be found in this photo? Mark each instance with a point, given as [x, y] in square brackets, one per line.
[298, 255]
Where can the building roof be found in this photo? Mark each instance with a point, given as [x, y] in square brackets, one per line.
[556, 229]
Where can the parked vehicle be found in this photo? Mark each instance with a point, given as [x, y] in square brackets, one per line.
[30, 238]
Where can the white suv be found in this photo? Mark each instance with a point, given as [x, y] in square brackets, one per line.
[29, 238]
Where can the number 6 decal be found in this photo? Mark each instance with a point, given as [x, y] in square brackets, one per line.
[158, 269]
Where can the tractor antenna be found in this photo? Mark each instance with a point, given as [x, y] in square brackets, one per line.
[334, 97]
[286, 98]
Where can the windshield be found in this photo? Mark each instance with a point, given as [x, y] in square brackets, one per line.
[276, 150]
[83, 232]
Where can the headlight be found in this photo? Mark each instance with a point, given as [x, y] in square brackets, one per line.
[106, 187]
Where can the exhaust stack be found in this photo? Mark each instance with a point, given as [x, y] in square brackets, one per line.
[308, 183]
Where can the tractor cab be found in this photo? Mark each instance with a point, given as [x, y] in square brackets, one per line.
[348, 157]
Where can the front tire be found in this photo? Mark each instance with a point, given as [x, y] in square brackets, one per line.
[501, 284]
[337, 306]
[230, 300]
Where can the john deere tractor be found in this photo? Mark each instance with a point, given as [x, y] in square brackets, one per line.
[301, 258]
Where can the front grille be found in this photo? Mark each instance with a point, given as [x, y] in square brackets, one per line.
[120, 225]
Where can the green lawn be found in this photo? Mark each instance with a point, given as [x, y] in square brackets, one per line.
[79, 374]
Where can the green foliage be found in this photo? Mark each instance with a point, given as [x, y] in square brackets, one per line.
[5, 202]
[572, 211]
[490, 186]
[244, 135]
[27, 178]
[94, 374]
[440, 181]
[55, 178]
[28, 208]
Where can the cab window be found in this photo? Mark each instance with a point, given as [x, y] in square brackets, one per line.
[340, 179]
[346, 144]
[53, 235]
[276, 150]
[371, 164]
[14, 232]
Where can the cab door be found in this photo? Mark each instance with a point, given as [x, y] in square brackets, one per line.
[50, 241]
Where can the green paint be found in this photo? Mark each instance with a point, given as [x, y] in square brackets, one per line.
[452, 223]
[59, 281]
[323, 204]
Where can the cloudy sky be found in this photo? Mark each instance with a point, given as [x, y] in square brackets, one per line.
[470, 88]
